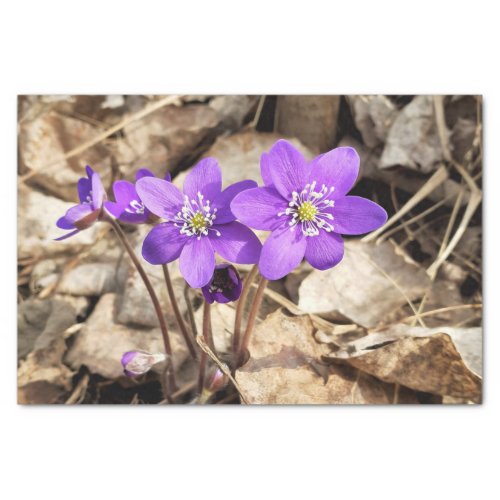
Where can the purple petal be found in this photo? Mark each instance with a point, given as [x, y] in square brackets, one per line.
[338, 168]
[205, 178]
[68, 235]
[127, 203]
[259, 208]
[124, 192]
[78, 212]
[160, 197]
[64, 223]
[98, 193]
[90, 171]
[197, 262]
[325, 250]
[84, 187]
[282, 252]
[163, 244]
[265, 169]
[143, 172]
[236, 243]
[355, 215]
[288, 169]
[223, 201]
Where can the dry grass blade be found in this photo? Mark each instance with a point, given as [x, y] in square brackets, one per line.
[80, 390]
[436, 180]
[224, 368]
[104, 135]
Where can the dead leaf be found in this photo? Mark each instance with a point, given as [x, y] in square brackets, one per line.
[358, 290]
[285, 368]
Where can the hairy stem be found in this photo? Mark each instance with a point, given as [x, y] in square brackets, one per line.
[154, 299]
[178, 316]
[257, 301]
[190, 310]
[247, 285]
[207, 335]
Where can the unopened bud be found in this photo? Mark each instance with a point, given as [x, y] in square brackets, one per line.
[138, 362]
[225, 285]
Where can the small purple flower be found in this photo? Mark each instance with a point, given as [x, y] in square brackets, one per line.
[305, 207]
[138, 362]
[91, 193]
[225, 285]
[198, 223]
[128, 206]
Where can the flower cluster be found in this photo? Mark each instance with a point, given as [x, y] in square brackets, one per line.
[303, 204]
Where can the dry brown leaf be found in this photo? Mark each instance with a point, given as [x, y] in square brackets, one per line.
[358, 290]
[428, 364]
[101, 342]
[285, 367]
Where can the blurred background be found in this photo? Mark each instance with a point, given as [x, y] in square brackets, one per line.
[410, 293]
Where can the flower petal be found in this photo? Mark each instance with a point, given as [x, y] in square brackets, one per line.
[160, 197]
[78, 212]
[143, 172]
[325, 250]
[64, 223]
[84, 187]
[339, 168]
[236, 243]
[282, 252]
[259, 208]
[265, 169]
[205, 178]
[223, 201]
[288, 169]
[356, 215]
[197, 261]
[67, 235]
[90, 171]
[163, 244]
[98, 193]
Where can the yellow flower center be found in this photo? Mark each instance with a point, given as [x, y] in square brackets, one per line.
[307, 211]
[198, 221]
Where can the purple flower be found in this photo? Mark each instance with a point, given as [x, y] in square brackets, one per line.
[197, 223]
[91, 193]
[305, 207]
[225, 285]
[138, 362]
[128, 206]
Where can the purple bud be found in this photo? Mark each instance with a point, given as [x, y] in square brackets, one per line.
[138, 362]
[225, 285]
[217, 381]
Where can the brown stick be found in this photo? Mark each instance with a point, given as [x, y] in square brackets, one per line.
[207, 337]
[178, 316]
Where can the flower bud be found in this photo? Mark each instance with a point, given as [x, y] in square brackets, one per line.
[225, 285]
[138, 362]
[217, 381]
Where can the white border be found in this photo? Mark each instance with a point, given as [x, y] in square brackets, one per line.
[231, 47]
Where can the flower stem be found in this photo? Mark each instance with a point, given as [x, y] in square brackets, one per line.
[207, 335]
[247, 285]
[190, 310]
[154, 299]
[178, 316]
[252, 316]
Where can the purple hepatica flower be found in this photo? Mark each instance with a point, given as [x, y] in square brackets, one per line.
[128, 206]
[225, 285]
[197, 223]
[91, 193]
[138, 362]
[306, 208]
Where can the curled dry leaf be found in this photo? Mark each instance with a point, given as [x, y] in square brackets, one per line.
[285, 367]
[358, 288]
[418, 359]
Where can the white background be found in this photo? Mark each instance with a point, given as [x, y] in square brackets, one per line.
[255, 47]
